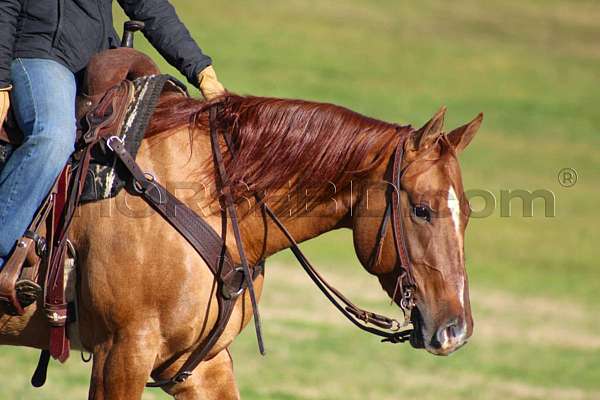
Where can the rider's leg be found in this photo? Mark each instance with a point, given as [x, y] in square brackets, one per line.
[43, 98]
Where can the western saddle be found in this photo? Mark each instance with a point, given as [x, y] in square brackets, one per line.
[36, 265]
[103, 75]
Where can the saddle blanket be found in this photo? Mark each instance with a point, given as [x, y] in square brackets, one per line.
[106, 176]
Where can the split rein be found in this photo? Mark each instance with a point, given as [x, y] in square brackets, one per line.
[389, 329]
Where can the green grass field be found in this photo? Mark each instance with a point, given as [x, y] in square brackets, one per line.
[533, 68]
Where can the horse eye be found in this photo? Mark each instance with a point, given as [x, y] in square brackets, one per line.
[422, 212]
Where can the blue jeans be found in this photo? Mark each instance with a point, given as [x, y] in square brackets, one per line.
[43, 98]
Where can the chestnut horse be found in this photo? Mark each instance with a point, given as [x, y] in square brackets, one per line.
[146, 298]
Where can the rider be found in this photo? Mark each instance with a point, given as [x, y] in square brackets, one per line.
[44, 46]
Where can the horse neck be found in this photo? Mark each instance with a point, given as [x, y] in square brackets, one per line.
[263, 238]
[260, 235]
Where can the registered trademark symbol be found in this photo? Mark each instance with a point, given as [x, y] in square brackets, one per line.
[567, 177]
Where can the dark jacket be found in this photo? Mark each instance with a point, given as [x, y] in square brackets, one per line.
[72, 31]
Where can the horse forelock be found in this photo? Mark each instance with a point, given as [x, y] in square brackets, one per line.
[281, 143]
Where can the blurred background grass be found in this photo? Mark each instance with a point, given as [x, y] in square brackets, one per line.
[533, 68]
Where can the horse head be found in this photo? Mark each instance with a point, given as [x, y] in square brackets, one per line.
[434, 214]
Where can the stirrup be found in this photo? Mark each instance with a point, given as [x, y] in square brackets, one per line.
[17, 291]
[27, 292]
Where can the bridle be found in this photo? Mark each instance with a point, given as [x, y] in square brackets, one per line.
[405, 281]
[390, 329]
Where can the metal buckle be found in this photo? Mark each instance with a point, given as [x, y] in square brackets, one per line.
[109, 141]
[228, 295]
[150, 178]
[182, 377]
[90, 135]
[150, 184]
[396, 325]
[406, 303]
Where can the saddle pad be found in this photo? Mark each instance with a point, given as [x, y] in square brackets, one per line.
[106, 177]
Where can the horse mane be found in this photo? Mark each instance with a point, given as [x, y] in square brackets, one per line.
[280, 143]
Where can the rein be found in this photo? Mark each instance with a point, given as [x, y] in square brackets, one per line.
[391, 330]
[359, 317]
[234, 280]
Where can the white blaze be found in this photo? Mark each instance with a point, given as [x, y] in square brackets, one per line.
[454, 207]
[461, 293]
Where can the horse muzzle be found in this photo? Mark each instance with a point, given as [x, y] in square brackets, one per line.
[446, 339]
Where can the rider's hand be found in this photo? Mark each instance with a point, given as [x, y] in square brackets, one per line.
[4, 104]
[209, 84]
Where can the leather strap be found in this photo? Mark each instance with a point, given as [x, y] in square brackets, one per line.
[10, 275]
[27, 247]
[358, 316]
[398, 224]
[232, 212]
[381, 234]
[207, 243]
[39, 376]
[55, 304]
[355, 314]
[406, 281]
[106, 117]
[393, 214]
[226, 307]
[66, 202]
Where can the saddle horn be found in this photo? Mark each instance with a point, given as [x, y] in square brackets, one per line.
[129, 30]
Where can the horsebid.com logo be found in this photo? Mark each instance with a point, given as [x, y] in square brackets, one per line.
[327, 200]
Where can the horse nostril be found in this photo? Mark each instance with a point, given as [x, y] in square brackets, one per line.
[451, 331]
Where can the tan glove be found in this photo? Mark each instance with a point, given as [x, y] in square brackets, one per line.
[208, 83]
[4, 104]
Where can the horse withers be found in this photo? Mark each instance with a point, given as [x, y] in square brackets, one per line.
[147, 300]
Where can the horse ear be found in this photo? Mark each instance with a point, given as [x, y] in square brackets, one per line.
[461, 137]
[424, 137]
